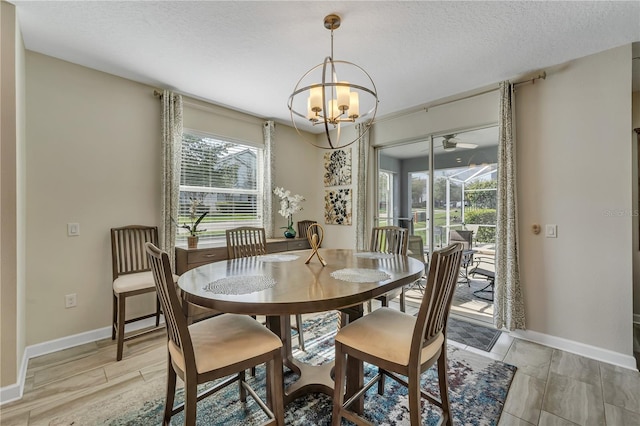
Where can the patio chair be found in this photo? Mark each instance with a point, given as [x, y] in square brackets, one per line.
[487, 272]
[415, 249]
[466, 238]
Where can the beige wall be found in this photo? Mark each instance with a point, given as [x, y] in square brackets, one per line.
[21, 194]
[635, 190]
[8, 246]
[12, 201]
[93, 155]
[94, 158]
[574, 170]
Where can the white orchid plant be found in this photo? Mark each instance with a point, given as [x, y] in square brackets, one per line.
[194, 205]
[289, 204]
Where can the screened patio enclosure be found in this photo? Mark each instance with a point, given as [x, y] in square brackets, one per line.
[432, 187]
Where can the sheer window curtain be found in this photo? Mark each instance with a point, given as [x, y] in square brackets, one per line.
[268, 134]
[508, 299]
[171, 165]
[364, 148]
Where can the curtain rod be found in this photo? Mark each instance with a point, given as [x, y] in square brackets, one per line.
[531, 80]
[542, 76]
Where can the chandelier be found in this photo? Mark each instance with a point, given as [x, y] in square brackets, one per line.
[320, 98]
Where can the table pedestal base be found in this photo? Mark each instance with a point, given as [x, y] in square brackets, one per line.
[317, 378]
[313, 379]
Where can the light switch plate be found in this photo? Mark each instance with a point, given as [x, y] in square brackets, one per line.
[551, 231]
[73, 229]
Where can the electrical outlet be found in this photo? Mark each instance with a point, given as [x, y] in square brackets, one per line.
[70, 300]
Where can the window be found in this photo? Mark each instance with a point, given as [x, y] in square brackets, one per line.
[223, 178]
[385, 198]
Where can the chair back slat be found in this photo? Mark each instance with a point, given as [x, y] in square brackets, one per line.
[436, 301]
[246, 241]
[303, 227]
[389, 239]
[175, 320]
[128, 250]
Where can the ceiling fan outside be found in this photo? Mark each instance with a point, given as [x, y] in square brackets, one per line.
[450, 143]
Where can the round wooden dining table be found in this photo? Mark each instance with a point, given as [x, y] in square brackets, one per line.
[281, 284]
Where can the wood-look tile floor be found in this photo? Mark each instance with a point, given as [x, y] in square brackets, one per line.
[551, 387]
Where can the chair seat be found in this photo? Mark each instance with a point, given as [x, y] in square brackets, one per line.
[386, 334]
[226, 340]
[136, 281]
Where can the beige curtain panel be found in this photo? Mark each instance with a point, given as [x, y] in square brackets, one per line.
[508, 300]
[171, 165]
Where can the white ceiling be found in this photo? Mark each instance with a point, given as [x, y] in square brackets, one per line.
[249, 55]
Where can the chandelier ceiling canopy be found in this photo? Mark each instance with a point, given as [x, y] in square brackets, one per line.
[332, 94]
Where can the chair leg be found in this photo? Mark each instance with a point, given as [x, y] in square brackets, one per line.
[190, 401]
[115, 317]
[275, 386]
[339, 382]
[157, 311]
[121, 320]
[402, 300]
[300, 335]
[444, 388]
[243, 391]
[381, 382]
[415, 412]
[171, 393]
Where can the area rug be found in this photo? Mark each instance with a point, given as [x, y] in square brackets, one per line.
[478, 388]
[471, 334]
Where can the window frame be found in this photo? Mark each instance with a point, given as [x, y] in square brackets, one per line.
[218, 238]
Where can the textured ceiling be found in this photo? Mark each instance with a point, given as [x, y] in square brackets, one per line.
[249, 55]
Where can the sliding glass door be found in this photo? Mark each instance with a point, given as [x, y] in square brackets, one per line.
[441, 184]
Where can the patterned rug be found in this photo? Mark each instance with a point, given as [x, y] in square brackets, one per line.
[478, 388]
[472, 334]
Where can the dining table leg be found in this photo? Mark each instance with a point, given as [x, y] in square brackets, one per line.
[281, 326]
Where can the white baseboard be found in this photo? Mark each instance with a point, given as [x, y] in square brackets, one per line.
[14, 392]
[593, 352]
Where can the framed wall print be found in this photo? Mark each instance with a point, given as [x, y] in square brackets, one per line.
[337, 167]
[337, 206]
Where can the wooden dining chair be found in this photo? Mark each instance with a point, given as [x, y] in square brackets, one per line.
[248, 241]
[225, 345]
[303, 227]
[400, 344]
[131, 277]
[389, 239]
